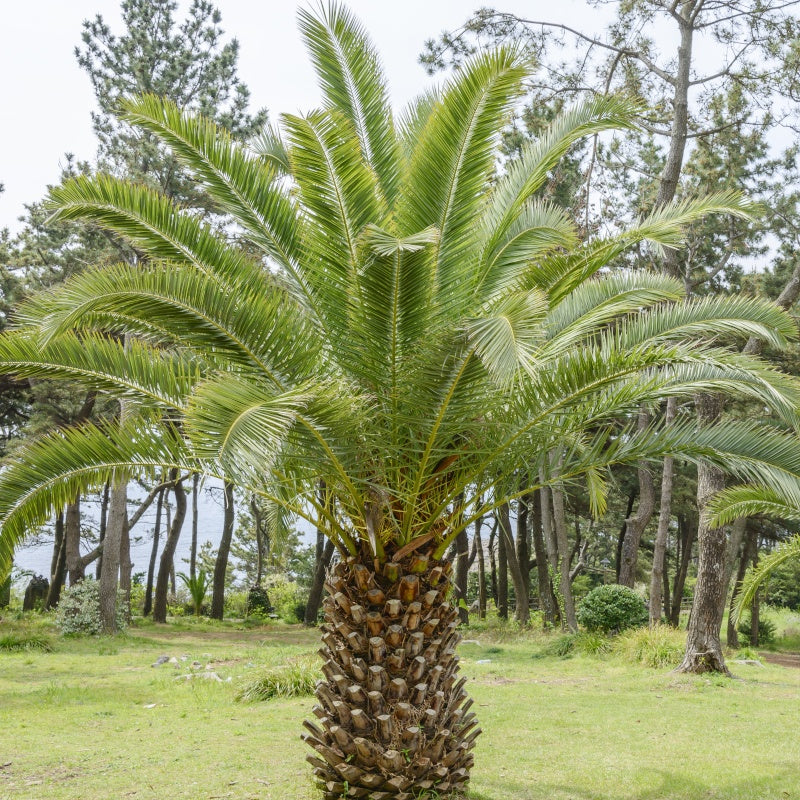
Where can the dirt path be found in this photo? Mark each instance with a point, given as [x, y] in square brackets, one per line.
[782, 659]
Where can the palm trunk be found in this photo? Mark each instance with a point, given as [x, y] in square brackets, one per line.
[166, 566]
[393, 716]
[221, 565]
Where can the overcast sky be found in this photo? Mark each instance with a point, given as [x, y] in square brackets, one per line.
[46, 98]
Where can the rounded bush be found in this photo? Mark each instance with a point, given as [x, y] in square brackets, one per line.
[78, 609]
[611, 609]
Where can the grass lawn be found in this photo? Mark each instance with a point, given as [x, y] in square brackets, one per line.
[94, 720]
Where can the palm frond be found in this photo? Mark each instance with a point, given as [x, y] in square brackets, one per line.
[350, 75]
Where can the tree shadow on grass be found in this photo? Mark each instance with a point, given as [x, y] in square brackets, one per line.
[665, 786]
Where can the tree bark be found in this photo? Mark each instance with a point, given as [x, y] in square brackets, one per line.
[748, 549]
[460, 579]
[221, 565]
[166, 566]
[562, 544]
[72, 536]
[125, 563]
[686, 533]
[547, 599]
[519, 573]
[193, 552]
[657, 579]
[481, 568]
[117, 515]
[703, 645]
[103, 528]
[151, 567]
[503, 526]
[325, 554]
[493, 563]
[59, 565]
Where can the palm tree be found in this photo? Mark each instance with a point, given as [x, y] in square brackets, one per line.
[378, 335]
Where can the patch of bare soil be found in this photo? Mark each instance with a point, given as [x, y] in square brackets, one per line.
[782, 659]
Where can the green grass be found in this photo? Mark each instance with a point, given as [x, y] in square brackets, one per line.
[93, 720]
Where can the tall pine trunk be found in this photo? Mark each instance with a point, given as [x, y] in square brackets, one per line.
[703, 644]
[323, 560]
[221, 565]
[658, 578]
[503, 534]
[58, 567]
[151, 566]
[109, 577]
[166, 566]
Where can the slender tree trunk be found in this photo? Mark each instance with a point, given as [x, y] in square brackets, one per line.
[635, 526]
[657, 579]
[318, 584]
[748, 549]
[562, 543]
[58, 566]
[547, 600]
[103, 528]
[72, 536]
[493, 563]
[503, 528]
[193, 553]
[151, 567]
[621, 534]
[109, 577]
[686, 531]
[166, 565]
[665, 575]
[460, 579]
[221, 565]
[755, 608]
[703, 645]
[125, 563]
[481, 568]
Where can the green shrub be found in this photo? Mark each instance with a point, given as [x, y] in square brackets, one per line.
[286, 597]
[294, 679]
[657, 647]
[611, 609]
[767, 630]
[79, 609]
[258, 603]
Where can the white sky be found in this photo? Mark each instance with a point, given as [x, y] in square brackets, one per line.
[46, 98]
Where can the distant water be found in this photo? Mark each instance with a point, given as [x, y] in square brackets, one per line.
[35, 555]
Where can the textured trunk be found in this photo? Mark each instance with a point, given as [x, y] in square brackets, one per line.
[59, 565]
[522, 613]
[481, 569]
[635, 526]
[562, 544]
[125, 563]
[151, 567]
[659, 598]
[393, 719]
[193, 552]
[324, 556]
[748, 550]
[703, 645]
[493, 564]
[755, 608]
[166, 567]
[547, 600]
[221, 564]
[117, 515]
[460, 581]
[686, 532]
[72, 536]
[503, 529]
[103, 528]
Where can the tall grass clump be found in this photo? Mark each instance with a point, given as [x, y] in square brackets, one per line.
[296, 678]
[657, 647]
[18, 640]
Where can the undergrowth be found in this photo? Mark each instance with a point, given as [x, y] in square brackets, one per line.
[296, 678]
